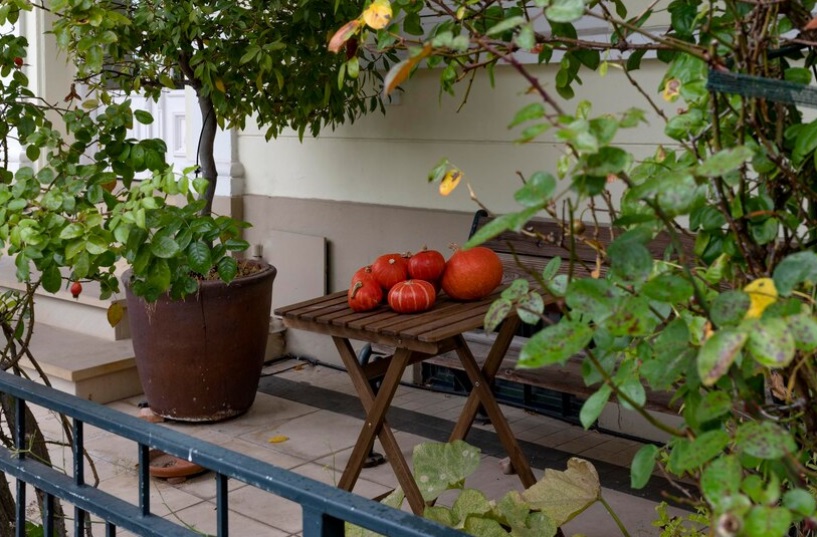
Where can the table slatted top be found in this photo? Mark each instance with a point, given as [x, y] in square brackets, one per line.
[428, 332]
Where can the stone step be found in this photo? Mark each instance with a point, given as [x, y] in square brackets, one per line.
[93, 368]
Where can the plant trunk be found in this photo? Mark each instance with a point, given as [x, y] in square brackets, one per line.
[207, 160]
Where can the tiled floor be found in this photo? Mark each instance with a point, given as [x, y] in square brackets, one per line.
[314, 408]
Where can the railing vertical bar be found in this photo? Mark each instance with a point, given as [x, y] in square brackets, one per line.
[79, 472]
[316, 523]
[222, 507]
[79, 522]
[48, 516]
[79, 449]
[144, 479]
[20, 515]
[110, 529]
[20, 445]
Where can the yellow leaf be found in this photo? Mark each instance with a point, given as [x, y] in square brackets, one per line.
[762, 293]
[220, 86]
[342, 36]
[401, 71]
[378, 14]
[115, 313]
[450, 181]
[672, 89]
[278, 439]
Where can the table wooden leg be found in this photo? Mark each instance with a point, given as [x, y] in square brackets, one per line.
[376, 425]
[489, 370]
[481, 394]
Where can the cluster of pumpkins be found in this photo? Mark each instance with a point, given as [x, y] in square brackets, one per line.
[410, 282]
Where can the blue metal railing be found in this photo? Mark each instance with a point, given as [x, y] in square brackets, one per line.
[325, 508]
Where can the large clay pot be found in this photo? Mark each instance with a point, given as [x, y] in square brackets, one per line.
[200, 359]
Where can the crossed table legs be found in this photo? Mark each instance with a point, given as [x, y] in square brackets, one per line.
[377, 405]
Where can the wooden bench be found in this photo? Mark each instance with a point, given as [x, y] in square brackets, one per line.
[542, 241]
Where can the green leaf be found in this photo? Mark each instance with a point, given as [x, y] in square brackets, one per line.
[158, 277]
[555, 344]
[441, 466]
[630, 260]
[497, 313]
[143, 117]
[642, 466]
[729, 308]
[806, 142]
[552, 268]
[537, 192]
[72, 231]
[764, 440]
[718, 353]
[511, 221]
[771, 343]
[713, 405]
[51, 279]
[528, 113]
[506, 24]
[564, 10]
[470, 502]
[767, 521]
[198, 257]
[803, 329]
[593, 406]
[632, 316]
[721, 479]
[705, 448]
[530, 308]
[667, 287]
[591, 297]
[227, 268]
[163, 245]
[799, 501]
[795, 269]
[725, 161]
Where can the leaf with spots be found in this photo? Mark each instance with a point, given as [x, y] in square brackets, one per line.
[442, 466]
[764, 440]
[729, 308]
[554, 344]
[804, 331]
[563, 495]
[718, 353]
[632, 317]
[771, 343]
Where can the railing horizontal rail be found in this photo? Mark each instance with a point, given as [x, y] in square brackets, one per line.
[314, 497]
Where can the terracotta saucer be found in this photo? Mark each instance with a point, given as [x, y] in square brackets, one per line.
[167, 466]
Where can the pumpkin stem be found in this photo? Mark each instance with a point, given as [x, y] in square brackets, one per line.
[356, 288]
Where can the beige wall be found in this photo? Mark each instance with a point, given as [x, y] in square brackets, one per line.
[384, 160]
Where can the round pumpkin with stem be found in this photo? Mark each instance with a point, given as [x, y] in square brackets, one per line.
[426, 265]
[390, 269]
[412, 296]
[365, 293]
[471, 274]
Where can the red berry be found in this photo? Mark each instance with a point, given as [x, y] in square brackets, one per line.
[18, 61]
[76, 289]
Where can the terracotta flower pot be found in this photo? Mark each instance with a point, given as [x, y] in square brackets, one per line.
[200, 359]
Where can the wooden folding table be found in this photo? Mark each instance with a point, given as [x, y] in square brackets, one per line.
[415, 337]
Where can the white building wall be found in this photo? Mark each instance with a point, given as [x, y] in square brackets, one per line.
[386, 159]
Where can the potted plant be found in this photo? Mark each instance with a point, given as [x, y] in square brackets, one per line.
[731, 328]
[242, 59]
